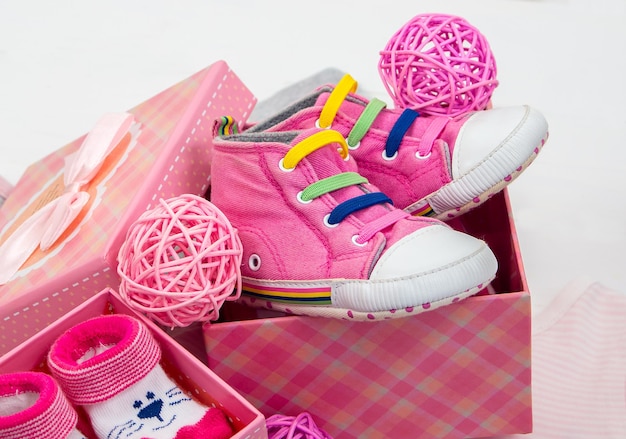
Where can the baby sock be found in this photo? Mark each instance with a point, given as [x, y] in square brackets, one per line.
[110, 366]
[33, 407]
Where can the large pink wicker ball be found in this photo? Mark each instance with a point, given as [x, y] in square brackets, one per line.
[438, 64]
[180, 262]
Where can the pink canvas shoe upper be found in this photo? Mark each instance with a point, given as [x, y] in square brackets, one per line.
[315, 231]
[427, 165]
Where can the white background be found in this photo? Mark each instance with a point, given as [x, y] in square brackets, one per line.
[64, 63]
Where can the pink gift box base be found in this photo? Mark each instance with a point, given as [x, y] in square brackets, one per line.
[169, 154]
[189, 372]
[459, 371]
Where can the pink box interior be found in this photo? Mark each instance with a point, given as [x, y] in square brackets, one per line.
[172, 156]
[463, 370]
[189, 372]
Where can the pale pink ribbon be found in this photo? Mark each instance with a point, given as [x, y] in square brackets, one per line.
[45, 226]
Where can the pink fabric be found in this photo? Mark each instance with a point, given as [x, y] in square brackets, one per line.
[133, 353]
[213, 425]
[579, 365]
[261, 202]
[354, 105]
[50, 416]
[438, 165]
[408, 179]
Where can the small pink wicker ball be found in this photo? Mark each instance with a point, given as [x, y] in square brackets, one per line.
[438, 64]
[294, 427]
[180, 262]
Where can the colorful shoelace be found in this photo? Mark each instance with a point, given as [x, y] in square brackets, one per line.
[342, 180]
[348, 85]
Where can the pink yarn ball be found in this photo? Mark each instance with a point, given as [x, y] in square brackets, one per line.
[180, 262]
[438, 64]
[294, 427]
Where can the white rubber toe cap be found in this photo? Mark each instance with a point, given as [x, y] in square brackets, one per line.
[512, 133]
[430, 267]
[437, 248]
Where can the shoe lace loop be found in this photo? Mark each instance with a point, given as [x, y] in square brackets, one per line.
[339, 181]
[398, 131]
[402, 125]
[332, 183]
[346, 85]
[313, 143]
[342, 210]
[365, 121]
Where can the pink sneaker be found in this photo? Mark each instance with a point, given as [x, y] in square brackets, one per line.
[319, 240]
[435, 166]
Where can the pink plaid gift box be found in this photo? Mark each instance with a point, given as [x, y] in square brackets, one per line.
[188, 372]
[168, 154]
[459, 371]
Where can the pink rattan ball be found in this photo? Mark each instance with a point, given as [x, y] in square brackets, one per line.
[440, 65]
[180, 262]
[294, 427]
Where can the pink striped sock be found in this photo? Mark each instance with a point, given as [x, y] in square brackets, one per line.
[32, 406]
[110, 365]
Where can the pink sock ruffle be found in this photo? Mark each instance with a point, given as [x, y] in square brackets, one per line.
[131, 353]
[50, 416]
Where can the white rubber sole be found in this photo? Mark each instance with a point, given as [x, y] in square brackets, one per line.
[490, 176]
[348, 314]
[371, 300]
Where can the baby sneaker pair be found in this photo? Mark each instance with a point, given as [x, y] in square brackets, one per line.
[324, 197]
[109, 366]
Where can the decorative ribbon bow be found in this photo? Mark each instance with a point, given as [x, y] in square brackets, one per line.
[45, 226]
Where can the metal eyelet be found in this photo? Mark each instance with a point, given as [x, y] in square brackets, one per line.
[386, 157]
[355, 242]
[317, 125]
[254, 262]
[351, 147]
[282, 166]
[300, 200]
[327, 224]
[422, 157]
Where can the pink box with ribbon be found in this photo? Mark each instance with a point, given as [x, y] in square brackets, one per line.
[67, 217]
[459, 371]
[190, 374]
